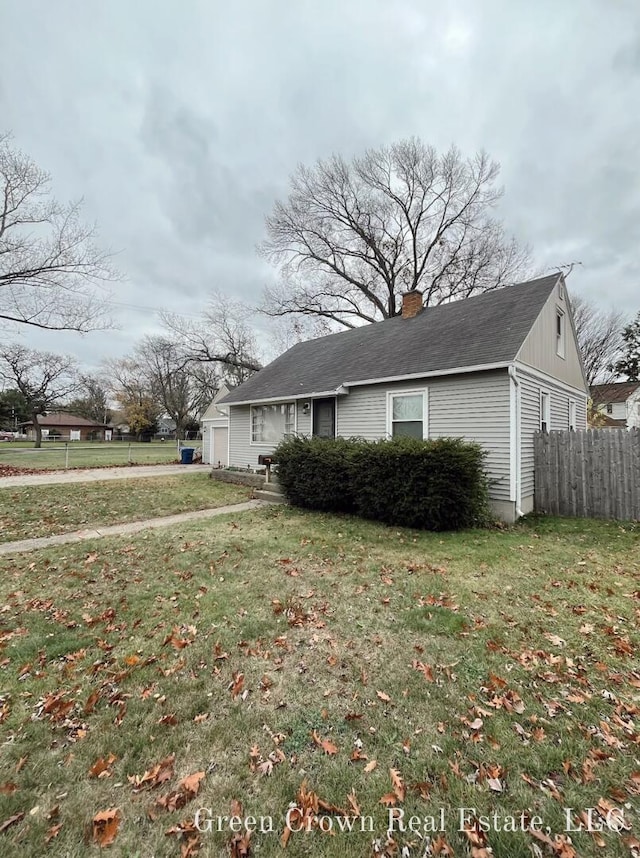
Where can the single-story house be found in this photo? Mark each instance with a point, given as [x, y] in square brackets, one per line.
[166, 427]
[495, 369]
[215, 430]
[618, 403]
[69, 427]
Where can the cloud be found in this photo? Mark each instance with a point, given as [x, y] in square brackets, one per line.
[179, 124]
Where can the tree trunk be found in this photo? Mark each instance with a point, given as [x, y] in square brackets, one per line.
[38, 430]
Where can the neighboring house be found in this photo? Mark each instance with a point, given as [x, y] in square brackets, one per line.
[495, 369]
[68, 427]
[617, 403]
[215, 430]
[166, 428]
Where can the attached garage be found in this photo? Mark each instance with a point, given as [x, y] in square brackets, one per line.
[215, 432]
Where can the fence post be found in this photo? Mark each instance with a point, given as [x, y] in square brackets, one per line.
[129, 454]
[66, 456]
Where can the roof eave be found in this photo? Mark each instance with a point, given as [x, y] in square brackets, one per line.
[343, 388]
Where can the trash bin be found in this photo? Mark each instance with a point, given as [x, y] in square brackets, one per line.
[186, 456]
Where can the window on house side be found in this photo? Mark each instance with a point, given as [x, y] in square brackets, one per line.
[572, 415]
[545, 411]
[609, 408]
[270, 423]
[407, 415]
[560, 333]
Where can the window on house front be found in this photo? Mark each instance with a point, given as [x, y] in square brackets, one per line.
[560, 326]
[270, 423]
[407, 415]
[609, 408]
[545, 411]
[572, 415]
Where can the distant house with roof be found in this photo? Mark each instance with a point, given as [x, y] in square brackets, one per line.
[617, 404]
[68, 427]
[495, 369]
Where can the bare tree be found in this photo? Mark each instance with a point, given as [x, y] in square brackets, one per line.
[92, 399]
[183, 390]
[351, 237]
[599, 334]
[44, 379]
[222, 338]
[132, 390]
[50, 267]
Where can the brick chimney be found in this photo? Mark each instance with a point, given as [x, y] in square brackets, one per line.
[411, 304]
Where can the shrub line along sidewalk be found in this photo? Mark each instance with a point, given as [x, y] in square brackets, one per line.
[124, 529]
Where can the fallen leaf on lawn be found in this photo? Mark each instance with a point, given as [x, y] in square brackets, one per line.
[12, 820]
[384, 697]
[370, 766]
[191, 784]
[237, 685]
[327, 745]
[53, 832]
[398, 784]
[389, 799]
[105, 826]
[102, 767]
[154, 777]
[353, 802]
[8, 788]
[425, 669]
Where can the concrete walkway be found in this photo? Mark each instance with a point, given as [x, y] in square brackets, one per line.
[124, 529]
[90, 475]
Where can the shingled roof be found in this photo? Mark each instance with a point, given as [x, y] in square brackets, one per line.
[617, 391]
[486, 329]
[60, 420]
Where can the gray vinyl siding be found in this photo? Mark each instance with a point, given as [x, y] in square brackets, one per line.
[474, 406]
[530, 388]
[242, 453]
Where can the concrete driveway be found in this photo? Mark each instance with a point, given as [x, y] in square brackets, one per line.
[92, 475]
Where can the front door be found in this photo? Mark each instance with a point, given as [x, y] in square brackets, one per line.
[324, 418]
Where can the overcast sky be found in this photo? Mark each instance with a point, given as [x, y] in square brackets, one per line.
[179, 123]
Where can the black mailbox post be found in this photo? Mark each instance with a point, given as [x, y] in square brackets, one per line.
[267, 461]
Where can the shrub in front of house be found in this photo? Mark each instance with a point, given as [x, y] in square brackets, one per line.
[315, 472]
[438, 484]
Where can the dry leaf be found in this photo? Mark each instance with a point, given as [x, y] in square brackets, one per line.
[105, 826]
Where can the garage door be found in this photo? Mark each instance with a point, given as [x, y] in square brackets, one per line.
[220, 446]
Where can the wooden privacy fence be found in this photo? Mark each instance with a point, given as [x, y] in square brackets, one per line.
[595, 474]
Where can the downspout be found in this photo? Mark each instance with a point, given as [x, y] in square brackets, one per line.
[518, 464]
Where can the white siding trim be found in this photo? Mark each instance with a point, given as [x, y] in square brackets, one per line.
[391, 394]
[322, 394]
[545, 414]
[460, 370]
[514, 432]
[549, 379]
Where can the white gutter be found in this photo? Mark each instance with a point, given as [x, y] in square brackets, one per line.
[515, 439]
[321, 394]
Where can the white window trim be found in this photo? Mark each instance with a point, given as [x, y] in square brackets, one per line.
[572, 406]
[425, 408]
[546, 393]
[269, 444]
[561, 341]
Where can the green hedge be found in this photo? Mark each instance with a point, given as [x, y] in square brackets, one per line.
[315, 473]
[430, 485]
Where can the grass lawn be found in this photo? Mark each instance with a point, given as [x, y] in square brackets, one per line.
[84, 454]
[276, 657]
[32, 511]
